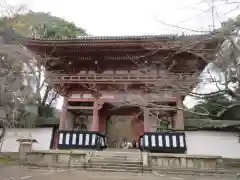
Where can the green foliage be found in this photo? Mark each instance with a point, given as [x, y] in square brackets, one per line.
[211, 108]
[42, 25]
[162, 126]
[214, 105]
[232, 22]
[219, 107]
[228, 26]
[231, 113]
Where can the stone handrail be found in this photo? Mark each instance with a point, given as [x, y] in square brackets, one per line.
[88, 156]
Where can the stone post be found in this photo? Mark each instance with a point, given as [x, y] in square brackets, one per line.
[95, 118]
[25, 147]
[145, 159]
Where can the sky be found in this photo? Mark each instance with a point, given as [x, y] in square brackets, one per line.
[135, 17]
[139, 17]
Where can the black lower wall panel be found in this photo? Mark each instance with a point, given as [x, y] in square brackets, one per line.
[81, 140]
[163, 142]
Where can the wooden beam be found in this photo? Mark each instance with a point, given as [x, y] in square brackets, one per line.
[80, 99]
[164, 108]
[79, 107]
[102, 100]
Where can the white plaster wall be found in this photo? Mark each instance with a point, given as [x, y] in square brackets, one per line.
[69, 120]
[42, 135]
[223, 144]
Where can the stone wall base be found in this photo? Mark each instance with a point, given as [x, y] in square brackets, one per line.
[183, 161]
[56, 158]
[150, 161]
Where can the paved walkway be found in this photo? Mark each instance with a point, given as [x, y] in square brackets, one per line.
[26, 173]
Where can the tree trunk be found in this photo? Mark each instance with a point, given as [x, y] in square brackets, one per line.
[2, 136]
[45, 97]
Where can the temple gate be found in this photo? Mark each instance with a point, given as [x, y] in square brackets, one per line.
[142, 79]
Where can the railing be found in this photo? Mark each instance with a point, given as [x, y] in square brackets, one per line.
[116, 78]
[163, 142]
[81, 140]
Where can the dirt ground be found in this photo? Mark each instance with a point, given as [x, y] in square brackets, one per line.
[28, 173]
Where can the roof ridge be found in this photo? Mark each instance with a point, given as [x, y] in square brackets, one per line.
[134, 37]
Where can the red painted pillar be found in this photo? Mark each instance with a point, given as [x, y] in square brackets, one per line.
[63, 114]
[146, 119]
[179, 120]
[95, 118]
[137, 126]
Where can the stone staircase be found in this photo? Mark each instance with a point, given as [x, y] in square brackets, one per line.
[115, 161]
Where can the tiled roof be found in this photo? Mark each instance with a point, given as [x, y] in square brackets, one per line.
[132, 38]
[124, 37]
[211, 124]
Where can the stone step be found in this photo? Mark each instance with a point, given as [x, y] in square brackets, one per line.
[103, 157]
[116, 164]
[119, 159]
[115, 159]
[116, 153]
[113, 170]
[121, 155]
[121, 150]
[116, 168]
[138, 168]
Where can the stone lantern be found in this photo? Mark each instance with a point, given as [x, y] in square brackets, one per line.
[25, 146]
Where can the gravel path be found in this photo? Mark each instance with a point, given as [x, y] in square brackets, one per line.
[28, 173]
